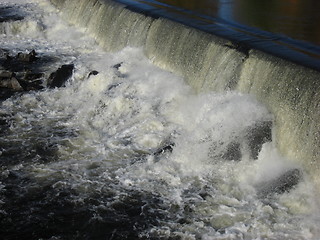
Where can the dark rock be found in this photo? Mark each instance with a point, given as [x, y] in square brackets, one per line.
[281, 184]
[31, 85]
[94, 73]
[32, 81]
[20, 62]
[11, 83]
[250, 140]
[27, 57]
[164, 149]
[27, 66]
[6, 75]
[117, 66]
[23, 73]
[29, 82]
[29, 76]
[59, 77]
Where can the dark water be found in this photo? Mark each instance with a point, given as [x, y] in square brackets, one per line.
[288, 29]
[298, 19]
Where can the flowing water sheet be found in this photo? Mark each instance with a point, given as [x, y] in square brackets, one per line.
[128, 151]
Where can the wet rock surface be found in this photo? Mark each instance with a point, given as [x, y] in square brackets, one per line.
[250, 142]
[280, 184]
[26, 71]
[60, 77]
[19, 73]
[10, 81]
[257, 135]
[247, 142]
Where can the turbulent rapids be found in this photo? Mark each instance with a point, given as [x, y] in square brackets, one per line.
[98, 144]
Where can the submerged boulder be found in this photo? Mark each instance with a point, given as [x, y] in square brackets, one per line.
[118, 65]
[281, 184]
[249, 142]
[93, 73]
[164, 149]
[59, 77]
[256, 136]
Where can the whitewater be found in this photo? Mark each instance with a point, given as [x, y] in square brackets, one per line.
[132, 151]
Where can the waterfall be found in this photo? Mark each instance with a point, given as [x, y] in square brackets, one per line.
[292, 94]
[210, 63]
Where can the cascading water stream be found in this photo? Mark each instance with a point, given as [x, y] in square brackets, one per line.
[127, 150]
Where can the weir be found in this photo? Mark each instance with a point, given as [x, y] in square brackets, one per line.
[211, 63]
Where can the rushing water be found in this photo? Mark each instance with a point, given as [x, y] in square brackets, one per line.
[133, 152]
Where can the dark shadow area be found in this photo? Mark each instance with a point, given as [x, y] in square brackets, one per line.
[36, 211]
